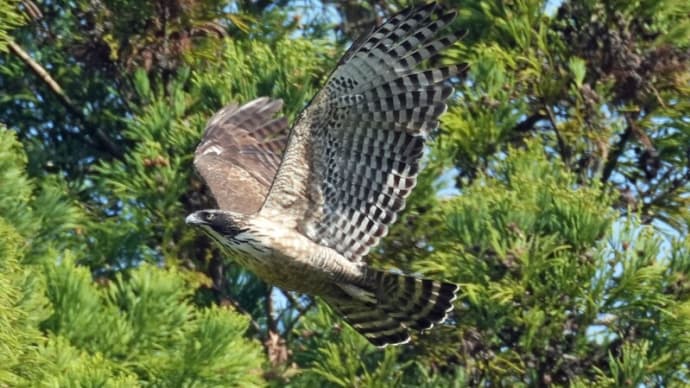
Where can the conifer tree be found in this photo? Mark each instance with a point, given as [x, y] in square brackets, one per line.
[555, 193]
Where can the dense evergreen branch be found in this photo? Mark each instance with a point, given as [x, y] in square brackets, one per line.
[557, 288]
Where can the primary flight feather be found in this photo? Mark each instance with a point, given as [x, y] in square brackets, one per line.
[301, 210]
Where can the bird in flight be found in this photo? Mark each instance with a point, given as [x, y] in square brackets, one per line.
[301, 209]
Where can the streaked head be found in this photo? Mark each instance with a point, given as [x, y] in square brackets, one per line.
[223, 226]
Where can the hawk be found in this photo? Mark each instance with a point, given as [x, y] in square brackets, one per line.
[302, 210]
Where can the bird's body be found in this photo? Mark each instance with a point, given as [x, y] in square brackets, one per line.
[304, 266]
[302, 211]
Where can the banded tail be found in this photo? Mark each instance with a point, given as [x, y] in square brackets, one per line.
[393, 304]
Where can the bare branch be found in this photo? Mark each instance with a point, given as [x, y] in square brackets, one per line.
[241, 310]
[616, 153]
[292, 300]
[300, 313]
[528, 124]
[268, 304]
[562, 146]
[42, 74]
[64, 99]
[673, 187]
[216, 272]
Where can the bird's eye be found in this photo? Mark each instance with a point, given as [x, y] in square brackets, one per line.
[210, 216]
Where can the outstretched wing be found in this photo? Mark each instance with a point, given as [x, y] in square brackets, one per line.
[353, 156]
[240, 152]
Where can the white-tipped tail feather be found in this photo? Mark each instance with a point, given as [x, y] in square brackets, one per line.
[393, 304]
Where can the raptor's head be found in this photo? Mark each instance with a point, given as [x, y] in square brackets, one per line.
[228, 228]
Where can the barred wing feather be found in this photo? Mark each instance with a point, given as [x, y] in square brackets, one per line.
[240, 152]
[353, 155]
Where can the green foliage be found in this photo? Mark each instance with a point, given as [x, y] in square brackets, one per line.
[325, 352]
[22, 307]
[563, 162]
[328, 348]
[11, 18]
[64, 365]
[143, 324]
[60, 327]
[16, 190]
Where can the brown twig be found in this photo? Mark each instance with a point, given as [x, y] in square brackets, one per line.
[616, 153]
[42, 74]
[235, 304]
[64, 99]
[268, 304]
[672, 188]
[301, 310]
[562, 146]
[292, 300]
[528, 124]
[216, 272]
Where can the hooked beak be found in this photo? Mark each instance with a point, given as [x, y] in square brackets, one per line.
[194, 219]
